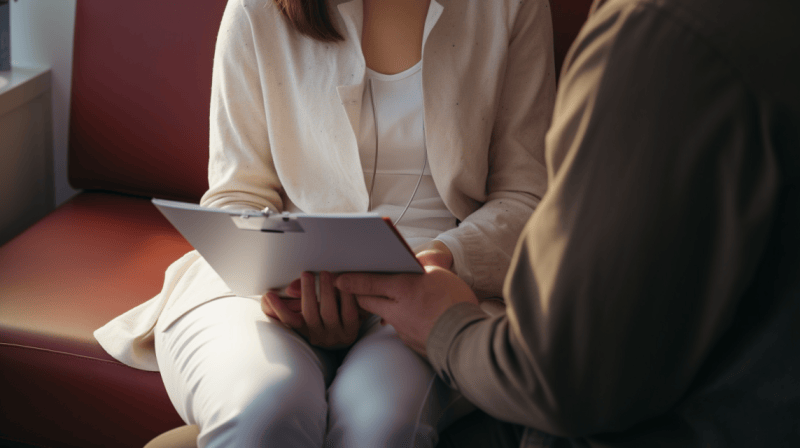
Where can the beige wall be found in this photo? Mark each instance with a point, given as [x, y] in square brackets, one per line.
[26, 149]
[41, 36]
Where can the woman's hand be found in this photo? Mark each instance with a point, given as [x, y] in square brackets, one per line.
[435, 253]
[290, 298]
[333, 321]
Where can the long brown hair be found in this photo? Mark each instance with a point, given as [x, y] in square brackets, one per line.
[310, 17]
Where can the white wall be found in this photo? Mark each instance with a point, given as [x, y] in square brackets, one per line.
[41, 36]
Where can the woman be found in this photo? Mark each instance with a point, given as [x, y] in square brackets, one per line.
[431, 112]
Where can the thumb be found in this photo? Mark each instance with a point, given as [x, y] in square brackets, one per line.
[365, 284]
[434, 258]
[376, 305]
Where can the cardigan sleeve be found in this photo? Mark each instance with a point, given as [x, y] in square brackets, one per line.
[241, 173]
[662, 195]
[484, 241]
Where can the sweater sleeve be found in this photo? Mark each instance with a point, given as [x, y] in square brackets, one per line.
[241, 173]
[660, 199]
[484, 241]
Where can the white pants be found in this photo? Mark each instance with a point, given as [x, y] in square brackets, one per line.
[248, 381]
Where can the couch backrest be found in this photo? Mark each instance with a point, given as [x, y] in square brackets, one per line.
[141, 86]
[568, 18]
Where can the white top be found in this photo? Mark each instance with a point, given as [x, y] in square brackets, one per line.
[401, 156]
[285, 119]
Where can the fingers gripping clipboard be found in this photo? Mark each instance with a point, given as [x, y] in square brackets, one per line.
[255, 251]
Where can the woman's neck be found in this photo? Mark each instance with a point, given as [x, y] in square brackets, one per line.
[391, 38]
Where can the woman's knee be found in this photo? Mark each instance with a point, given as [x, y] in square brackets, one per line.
[371, 418]
[284, 411]
[378, 424]
[383, 396]
[235, 374]
[288, 411]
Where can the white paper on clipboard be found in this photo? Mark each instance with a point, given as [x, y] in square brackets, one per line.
[256, 251]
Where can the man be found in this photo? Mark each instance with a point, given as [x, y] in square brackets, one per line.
[654, 296]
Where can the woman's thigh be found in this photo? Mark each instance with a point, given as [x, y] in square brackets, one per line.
[232, 371]
[384, 394]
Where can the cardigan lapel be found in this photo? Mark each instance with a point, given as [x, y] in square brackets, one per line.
[431, 106]
[351, 95]
[434, 12]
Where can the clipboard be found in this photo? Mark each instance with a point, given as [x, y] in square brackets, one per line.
[255, 251]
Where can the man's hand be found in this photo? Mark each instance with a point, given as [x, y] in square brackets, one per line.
[411, 303]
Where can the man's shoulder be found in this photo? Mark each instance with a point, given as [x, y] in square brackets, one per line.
[754, 37]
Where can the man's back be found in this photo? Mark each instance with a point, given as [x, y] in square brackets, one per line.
[747, 392]
[746, 56]
[654, 299]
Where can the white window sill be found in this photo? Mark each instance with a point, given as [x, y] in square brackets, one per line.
[21, 84]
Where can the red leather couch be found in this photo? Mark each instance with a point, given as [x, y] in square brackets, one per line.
[138, 129]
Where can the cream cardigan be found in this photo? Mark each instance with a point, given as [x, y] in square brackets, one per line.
[285, 114]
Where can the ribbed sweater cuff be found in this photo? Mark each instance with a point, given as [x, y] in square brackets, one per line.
[446, 329]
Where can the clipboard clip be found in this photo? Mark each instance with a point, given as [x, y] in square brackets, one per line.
[267, 221]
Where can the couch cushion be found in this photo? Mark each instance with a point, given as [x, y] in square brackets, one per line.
[95, 257]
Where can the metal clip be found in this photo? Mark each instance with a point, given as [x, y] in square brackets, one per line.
[267, 221]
